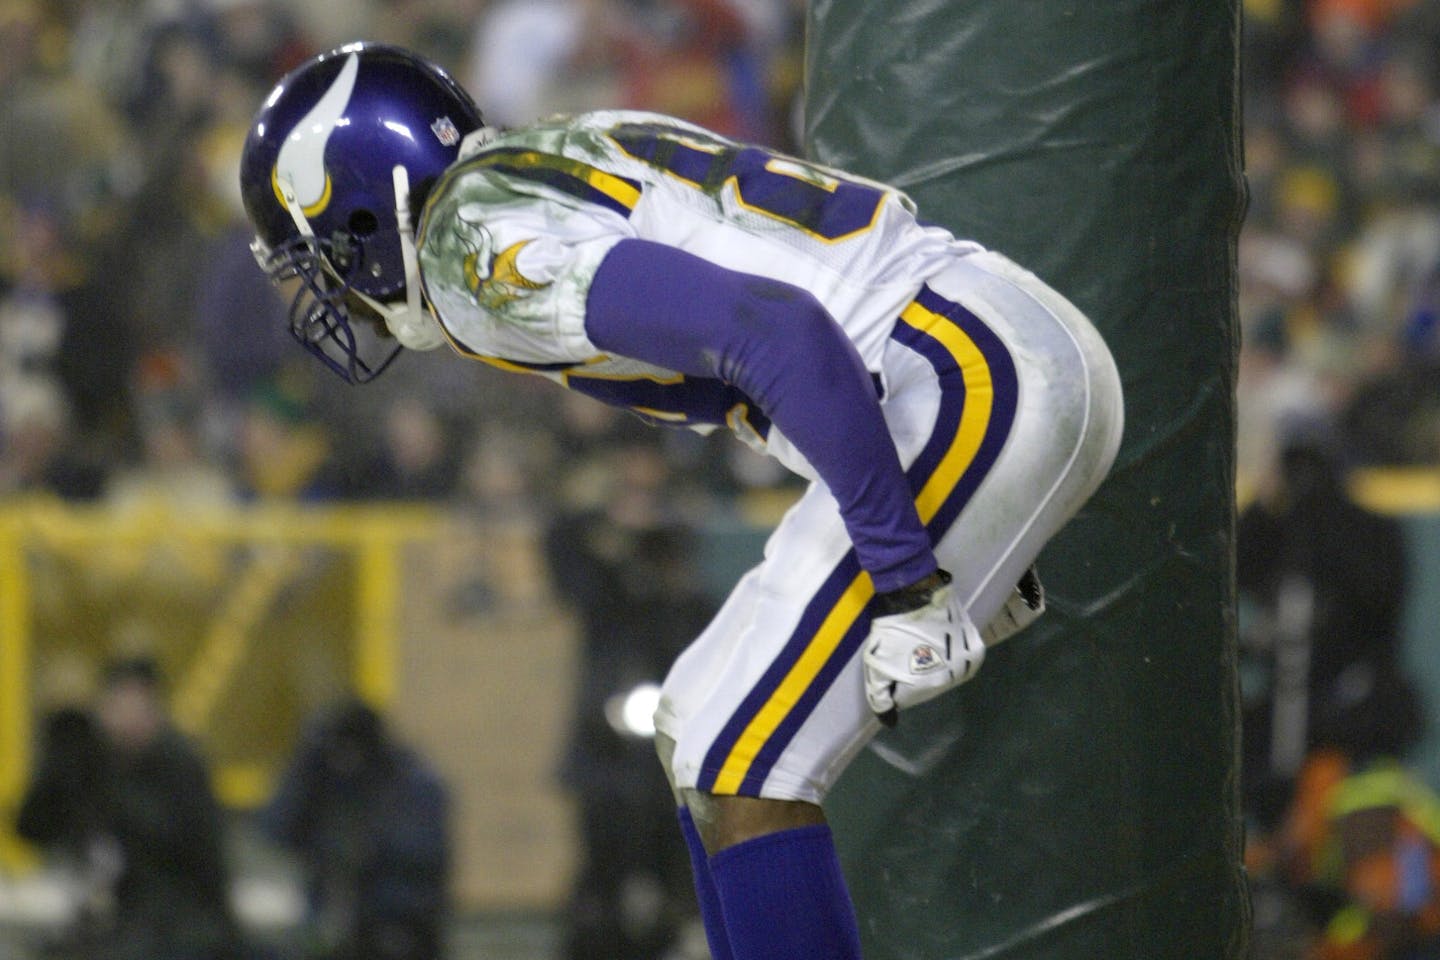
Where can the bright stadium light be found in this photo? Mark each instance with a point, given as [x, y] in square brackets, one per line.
[632, 713]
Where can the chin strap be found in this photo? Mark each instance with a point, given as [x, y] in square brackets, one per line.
[408, 321]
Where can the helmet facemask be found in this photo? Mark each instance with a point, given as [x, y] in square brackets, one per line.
[320, 316]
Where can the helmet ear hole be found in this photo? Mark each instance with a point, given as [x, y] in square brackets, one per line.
[363, 223]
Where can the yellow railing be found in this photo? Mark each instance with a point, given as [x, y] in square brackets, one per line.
[1388, 490]
[1397, 491]
[272, 542]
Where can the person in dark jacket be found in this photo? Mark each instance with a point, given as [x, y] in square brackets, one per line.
[127, 797]
[1326, 580]
[368, 818]
[626, 570]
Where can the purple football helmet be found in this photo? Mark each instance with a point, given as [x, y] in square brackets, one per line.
[332, 160]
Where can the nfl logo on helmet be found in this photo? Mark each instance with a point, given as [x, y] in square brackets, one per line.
[445, 131]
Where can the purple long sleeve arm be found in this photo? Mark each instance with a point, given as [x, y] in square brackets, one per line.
[778, 345]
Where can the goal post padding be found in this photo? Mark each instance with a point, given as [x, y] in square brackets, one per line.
[1079, 799]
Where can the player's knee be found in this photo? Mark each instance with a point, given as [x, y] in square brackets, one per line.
[724, 821]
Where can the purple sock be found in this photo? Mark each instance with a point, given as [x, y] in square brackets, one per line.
[705, 890]
[784, 898]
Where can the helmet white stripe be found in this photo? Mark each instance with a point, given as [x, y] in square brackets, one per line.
[301, 163]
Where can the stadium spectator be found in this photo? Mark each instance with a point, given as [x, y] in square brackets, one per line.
[171, 470]
[127, 797]
[233, 356]
[1363, 842]
[47, 293]
[282, 453]
[368, 818]
[531, 58]
[702, 61]
[36, 454]
[440, 26]
[1326, 581]
[416, 458]
[1322, 587]
[622, 561]
[259, 39]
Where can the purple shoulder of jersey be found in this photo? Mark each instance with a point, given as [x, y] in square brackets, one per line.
[777, 344]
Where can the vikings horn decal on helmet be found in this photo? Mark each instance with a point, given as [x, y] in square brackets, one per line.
[331, 163]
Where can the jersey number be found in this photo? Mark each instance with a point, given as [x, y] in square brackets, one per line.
[825, 206]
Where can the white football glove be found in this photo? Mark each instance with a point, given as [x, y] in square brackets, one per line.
[914, 656]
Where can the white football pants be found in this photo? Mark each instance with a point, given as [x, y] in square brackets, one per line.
[1005, 406]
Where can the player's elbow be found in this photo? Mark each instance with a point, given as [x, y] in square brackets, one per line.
[784, 321]
[783, 331]
[762, 305]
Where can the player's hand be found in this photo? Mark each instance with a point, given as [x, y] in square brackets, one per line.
[918, 654]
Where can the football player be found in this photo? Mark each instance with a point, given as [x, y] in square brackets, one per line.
[950, 409]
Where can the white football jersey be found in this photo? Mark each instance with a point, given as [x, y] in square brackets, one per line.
[514, 232]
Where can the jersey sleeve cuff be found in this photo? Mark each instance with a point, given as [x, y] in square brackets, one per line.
[904, 574]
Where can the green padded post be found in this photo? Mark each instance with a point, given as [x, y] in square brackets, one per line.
[1079, 799]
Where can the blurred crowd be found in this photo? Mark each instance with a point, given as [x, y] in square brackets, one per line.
[1340, 252]
[121, 803]
[1339, 289]
[144, 358]
[142, 354]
